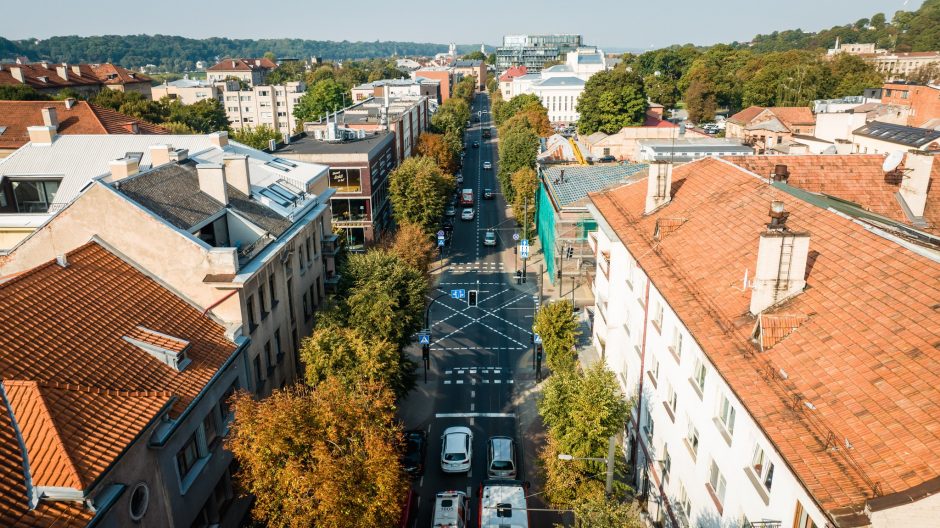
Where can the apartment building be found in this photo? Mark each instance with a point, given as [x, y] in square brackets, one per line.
[360, 163]
[189, 91]
[407, 117]
[781, 377]
[446, 78]
[115, 398]
[472, 68]
[86, 79]
[253, 72]
[249, 233]
[901, 65]
[533, 51]
[877, 137]
[765, 128]
[65, 117]
[270, 105]
[923, 102]
[506, 79]
[398, 88]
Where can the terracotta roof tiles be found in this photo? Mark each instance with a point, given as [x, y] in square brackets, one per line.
[243, 65]
[865, 356]
[81, 118]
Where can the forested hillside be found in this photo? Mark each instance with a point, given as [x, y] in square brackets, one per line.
[174, 53]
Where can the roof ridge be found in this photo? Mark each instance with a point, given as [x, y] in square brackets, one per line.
[88, 389]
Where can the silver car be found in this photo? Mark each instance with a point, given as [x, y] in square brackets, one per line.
[456, 450]
[489, 238]
[501, 457]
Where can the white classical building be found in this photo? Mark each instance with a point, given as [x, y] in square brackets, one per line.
[781, 377]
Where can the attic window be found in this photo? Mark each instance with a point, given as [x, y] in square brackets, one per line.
[2, 129]
[172, 351]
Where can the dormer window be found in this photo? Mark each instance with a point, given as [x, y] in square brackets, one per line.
[172, 351]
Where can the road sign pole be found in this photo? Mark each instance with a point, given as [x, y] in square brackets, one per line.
[525, 227]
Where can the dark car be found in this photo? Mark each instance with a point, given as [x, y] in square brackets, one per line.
[607, 159]
[416, 450]
[488, 194]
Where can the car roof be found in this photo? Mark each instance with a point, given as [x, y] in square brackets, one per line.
[457, 429]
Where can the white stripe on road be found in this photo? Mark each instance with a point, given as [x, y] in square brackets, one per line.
[475, 415]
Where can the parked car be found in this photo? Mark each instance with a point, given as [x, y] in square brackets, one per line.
[487, 165]
[489, 238]
[467, 213]
[607, 159]
[416, 449]
[488, 194]
[456, 450]
[459, 177]
[450, 210]
[501, 457]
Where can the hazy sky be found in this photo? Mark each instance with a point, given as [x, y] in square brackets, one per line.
[605, 23]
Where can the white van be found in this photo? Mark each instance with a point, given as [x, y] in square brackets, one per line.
[451, 510]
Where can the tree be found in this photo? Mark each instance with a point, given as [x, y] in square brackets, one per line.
[327, 457]
[419, 190]
[491, 58]
[320, 74]
[413, 246]
[437, 147]
[517, 150]
[21, 92]
[203, 117]
[878, 20]
[505, 110]
[611, 100]
[322, 98]
[536, 119]
[175, 127]
[451, 116]
[257, 137]
[524, 185]
[596, 511]
[352, 357]
[929, 73]
[701, 101]
[474, 55]
[555, 323]
[287, 71]
[492, 84]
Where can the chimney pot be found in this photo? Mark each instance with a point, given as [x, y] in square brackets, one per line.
[62, 260]
[41, 135]
[778, 216]
[123, 167]
[212, 181]
[781, 173]
[915, 184]
[77, 69]
[160, 155]
[659, 186]
[69, 103]
[49, 117]
[179, 155]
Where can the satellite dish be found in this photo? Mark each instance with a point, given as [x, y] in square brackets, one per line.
[892, 161]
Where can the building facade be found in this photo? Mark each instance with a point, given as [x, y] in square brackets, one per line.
[923, 102]
[533, 51]
[188, 91]
[264, 105]
[253, 72]
[446, 78]
[737, 421]
[767, 128]
[472, 68]
[901, 65]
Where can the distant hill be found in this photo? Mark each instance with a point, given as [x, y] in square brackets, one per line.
[174, 53]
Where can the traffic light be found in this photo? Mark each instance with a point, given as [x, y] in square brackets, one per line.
[570, 251]
[471, 297]
[426, 352]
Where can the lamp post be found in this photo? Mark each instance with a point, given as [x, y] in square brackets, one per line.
[611, 452]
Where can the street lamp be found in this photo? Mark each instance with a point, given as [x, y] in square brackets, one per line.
[611, 450]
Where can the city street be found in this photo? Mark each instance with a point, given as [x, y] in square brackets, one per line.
[480, 356]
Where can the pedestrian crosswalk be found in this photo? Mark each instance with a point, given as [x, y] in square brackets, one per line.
[477, 375]
[477, 266]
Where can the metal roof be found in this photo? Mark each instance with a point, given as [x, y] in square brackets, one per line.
[572, 183]
[900, 134]
[559, 81]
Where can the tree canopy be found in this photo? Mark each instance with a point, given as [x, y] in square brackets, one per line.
[555, 323]
[257, 137]
[322, 98]
[611, 100]
[418, 191]
[438, 148]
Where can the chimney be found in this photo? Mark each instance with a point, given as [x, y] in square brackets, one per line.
[781, 262]
[77, 69]
[41, 135]
[236, 172]
[63, 71]
[49, 117]
[123, 167]
[179, 155]
[45, 65]
[781, 173]
[658, 186]
[219, 139]
[212, 181]
[69, 103]
[17, 73]
[160, 155]
[132, 127]
[914, 185]
[62, 260]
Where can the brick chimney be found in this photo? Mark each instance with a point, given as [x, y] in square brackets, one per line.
[658, 186]
[41, 135]
[212, 181]
[17, 73]
[219, 139]
[781, 262]
[123, 167]
[914, 185]
[236, 172]
[49, 117]
[160, 154]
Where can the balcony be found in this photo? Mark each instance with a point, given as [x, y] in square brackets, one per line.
[331, 245]
[592, 242]
[332, 282]
[604, 264]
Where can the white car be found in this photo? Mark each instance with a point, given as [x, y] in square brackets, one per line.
[467, 213]
[457, 450]
[459, 178]
[489, 239]
[487, 165]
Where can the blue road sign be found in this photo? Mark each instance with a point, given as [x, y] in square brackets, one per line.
[424, 339]
[440, 242]
[515, 236]
[524, 251]
[524, 242]
[440, 234]
[458, 294]
[538, 339]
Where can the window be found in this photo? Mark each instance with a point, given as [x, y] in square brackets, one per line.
[140, 499]
[269, 356]
[34, 196]
[252, 322]
[654, 370]
[726, 414]
[307, 311]
[272, 290]
[698, 375]
[692, 438]
[259, 377]
[309, 251]
[763, 468]
[685, 505]
[187, 457]
[277, 345]
[211, 426]
[314, 298]
[261, 301]
[677, 343]
[649, 428]
[671, 399]
[658, 316]
[717, 482]
[225, 404]
[667, 463]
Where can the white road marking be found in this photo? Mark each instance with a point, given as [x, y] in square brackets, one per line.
[446, 382]
[510, 381]
[497, 381]
[459, 382]
[486, 381]
[475, 415]
[469, 492]
[473, 394]
[472, 407]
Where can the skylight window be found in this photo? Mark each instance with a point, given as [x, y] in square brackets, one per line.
[281, 164]
[274, 196]
[283, 161]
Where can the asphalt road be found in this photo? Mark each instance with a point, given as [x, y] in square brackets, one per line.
[477, 353]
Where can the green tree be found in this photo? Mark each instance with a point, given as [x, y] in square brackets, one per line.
[451, 116]
[418, 190]
[327, 457]
[517, 150]
[596, 511]
[203, 117]
[353, 357]
[878, 20]
[287, 71]
[413, 246]
[701, 101]
[175, 127]
[476, 55]
[320, 99]
[492, 84]
[555, 323]
[611, 100]
[438, 148]
[257, 137]
[20, 92]
[524, 185]
[505, 110]
[320, 74]
[491, 58]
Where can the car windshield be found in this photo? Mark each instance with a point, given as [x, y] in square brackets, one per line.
[502, 465]
[455, 457]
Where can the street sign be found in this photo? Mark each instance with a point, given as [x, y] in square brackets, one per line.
[458, 294]
[524, 251]
[440, 242]
[440, 234]
[424, 339]
[525, 242]
[515, 236]
[538, 339]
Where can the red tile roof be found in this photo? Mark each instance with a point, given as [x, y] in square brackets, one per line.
[513, 72]
[111, 74]
[856, 178]
[744, 116]
[51, 75]
[655, 122]
[81, 118]
[788, 115]
[227, 64]
[864, 356]
[80, 392]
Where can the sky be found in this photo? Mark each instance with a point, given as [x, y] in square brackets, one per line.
[633, 24]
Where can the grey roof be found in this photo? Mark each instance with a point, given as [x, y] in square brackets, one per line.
[561, 81]
[172, 192]
[529, 77]
[590, 58]
[559, 68]
[189, 83]
[572, 183]
[309, 145]
[467, 63]
[900, 134]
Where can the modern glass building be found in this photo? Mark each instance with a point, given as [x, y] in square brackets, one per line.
[533, 51]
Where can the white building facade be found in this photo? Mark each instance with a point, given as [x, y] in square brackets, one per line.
[271, 105]
[560, 86]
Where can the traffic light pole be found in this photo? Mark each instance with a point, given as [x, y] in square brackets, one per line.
[426, 349]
